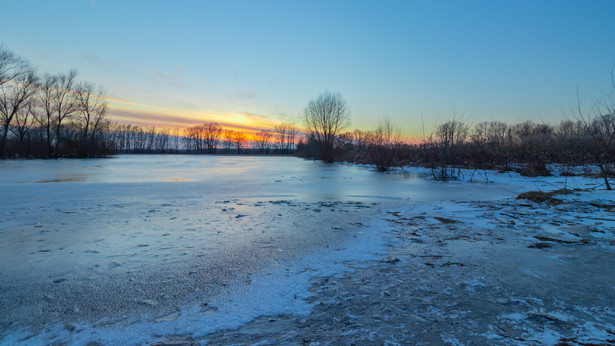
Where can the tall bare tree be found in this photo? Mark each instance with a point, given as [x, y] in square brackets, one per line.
[175, 139]
[451, 136]
[211, 135]
[45, 110]
[599, 125]
[285, 134]
[64, 103]
[22, 125]
[383, 145]
[262, 140]
[13, 94]
[91, 111]
[239, 139]
[11, 65]
[325, 118]
[193, 138]
[228, 140]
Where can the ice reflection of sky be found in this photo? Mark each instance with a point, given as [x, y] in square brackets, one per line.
[163, 228]
[242, 177]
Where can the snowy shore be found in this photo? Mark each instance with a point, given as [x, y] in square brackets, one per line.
[503, 271]
[484, 269]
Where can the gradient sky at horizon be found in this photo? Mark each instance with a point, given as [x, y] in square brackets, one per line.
[253, 64]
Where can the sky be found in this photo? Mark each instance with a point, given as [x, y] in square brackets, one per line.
[254, 64]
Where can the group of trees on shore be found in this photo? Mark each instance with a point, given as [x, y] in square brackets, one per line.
[54, 116]
[211, 138]
[50, 116]
[526, 146]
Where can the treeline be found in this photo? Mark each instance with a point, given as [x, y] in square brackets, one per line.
[210, 138]
[49, 116]
[526, 147]
[53, 116]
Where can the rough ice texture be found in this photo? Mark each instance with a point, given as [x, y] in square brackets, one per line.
[245, 250]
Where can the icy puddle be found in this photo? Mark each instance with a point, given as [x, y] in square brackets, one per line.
[137, 248]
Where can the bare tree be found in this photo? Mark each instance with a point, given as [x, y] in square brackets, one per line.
[58, 102]
[451, 136]
[211, 135]
[13, 94]
[383, 145]
[11, 66]
[65, 102]
[23, 123]
[239, 138]
[228, 141]
[203, 138]
[262, 140]
[599, 125]
[285, 135]
[92, 111]
[490, 140]
[45, 110]
[325, 118]
[162, 141]
[194, 139]
[175, 139]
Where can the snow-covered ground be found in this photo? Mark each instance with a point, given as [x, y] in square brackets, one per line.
[470, 271]
[142, 249]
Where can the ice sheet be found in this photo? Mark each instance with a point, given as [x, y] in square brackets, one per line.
[140, 246]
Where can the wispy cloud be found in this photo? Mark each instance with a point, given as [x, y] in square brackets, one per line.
[91, 58]
[130, 112]
[257, 118]
[144, 118]
[124, 102]
[173, 79]
[244, 94]
[165, 120]
[285, 117]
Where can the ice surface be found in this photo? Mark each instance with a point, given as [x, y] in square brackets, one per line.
[137, 247]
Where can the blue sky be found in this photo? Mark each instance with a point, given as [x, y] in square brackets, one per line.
[256, 63]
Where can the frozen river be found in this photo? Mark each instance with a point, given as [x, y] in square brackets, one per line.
[144, 245]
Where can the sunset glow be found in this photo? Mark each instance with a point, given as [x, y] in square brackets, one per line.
[248, 65]
[128, 112]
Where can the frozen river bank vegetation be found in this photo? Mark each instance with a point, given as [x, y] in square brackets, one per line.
[57, 116]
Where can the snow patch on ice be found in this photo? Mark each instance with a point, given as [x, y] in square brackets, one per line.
[278, 290]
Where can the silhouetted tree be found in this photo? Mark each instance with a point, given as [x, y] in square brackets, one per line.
[11, 66]
[203, 138]
[285, 137]
[262, 140]
[45, 110]
[17, 85]
[58, 103]
[451, 136]
[228, 140]
[325, 117]
[599, 125]
[91, 113]
[211, 134]
[383, 145]
[239, 139]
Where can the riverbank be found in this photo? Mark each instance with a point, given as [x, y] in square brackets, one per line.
[469, 272]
